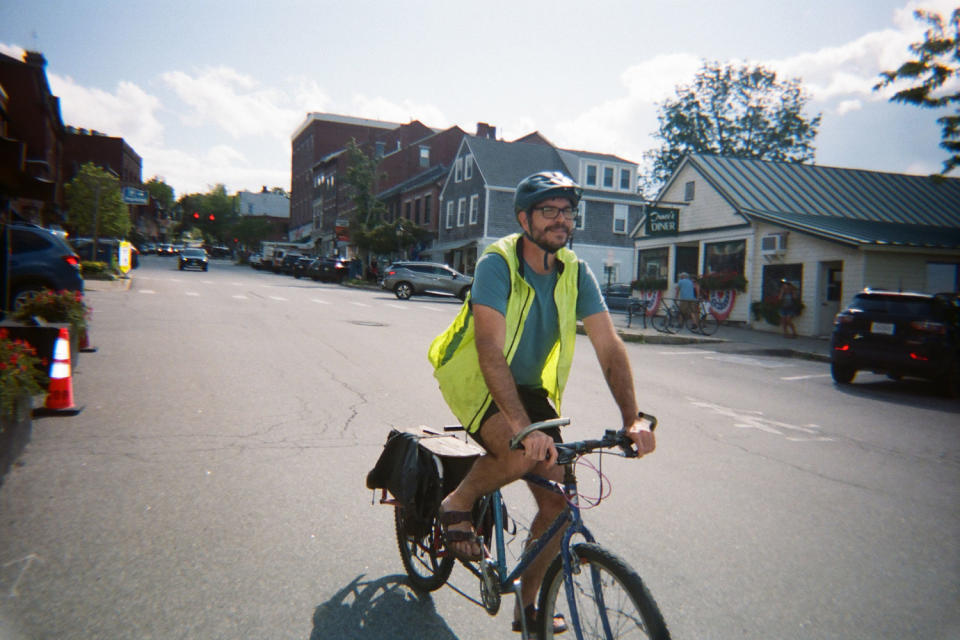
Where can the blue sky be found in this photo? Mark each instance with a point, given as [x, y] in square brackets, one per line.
[211, 92]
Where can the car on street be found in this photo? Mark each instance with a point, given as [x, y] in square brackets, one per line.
[330, 269]
[255, 260]
[192, 258]
[38, 259]
[900, 334]
[301, 265]
[407, 279]
[618, 296]
[289, 259]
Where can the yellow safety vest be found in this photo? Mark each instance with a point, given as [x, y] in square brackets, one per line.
[454, 352]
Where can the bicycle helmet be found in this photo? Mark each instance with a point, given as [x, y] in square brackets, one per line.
[543, 186]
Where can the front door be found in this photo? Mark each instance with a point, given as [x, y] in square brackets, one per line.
[830, 293]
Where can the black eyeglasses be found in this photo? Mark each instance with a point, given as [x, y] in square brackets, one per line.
[552, 212]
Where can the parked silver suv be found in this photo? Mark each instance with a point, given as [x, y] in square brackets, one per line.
[413, 278]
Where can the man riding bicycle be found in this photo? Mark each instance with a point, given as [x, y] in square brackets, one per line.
[504, 361]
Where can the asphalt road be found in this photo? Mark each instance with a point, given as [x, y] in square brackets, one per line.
[213, 486]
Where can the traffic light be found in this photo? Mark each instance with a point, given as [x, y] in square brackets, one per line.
[212, 218]
[196, 216]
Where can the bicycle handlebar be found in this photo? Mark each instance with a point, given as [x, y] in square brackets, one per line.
[569, 451]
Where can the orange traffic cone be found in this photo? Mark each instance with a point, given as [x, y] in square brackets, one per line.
[60, 393]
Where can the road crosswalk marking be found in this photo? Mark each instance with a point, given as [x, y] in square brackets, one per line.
[807, 377]
[278, 298]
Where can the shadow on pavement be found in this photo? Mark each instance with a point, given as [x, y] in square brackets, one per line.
[379, 609]
[909, 392]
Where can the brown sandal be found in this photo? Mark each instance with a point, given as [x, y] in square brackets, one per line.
[530, 613]
[456, 535]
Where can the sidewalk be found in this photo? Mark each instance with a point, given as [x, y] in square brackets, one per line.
[729, 338]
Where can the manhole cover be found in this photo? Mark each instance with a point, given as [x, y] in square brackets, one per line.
[368, 323]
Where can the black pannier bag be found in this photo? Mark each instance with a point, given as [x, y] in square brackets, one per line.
[419, 467]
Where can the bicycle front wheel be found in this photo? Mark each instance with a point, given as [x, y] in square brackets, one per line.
[610, 598]
[427, 563]
[661, 323]
[708, 324]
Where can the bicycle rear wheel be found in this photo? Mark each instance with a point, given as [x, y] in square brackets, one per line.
[427, 563]
[611, 599]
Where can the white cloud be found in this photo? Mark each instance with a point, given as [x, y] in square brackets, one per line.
[234, 102]
[129, 112]
[380, 108]
[848, 106]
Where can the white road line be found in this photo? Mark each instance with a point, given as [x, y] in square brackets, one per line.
[146, 290]
[359, 304]
[278, 298]
[207, 281]
[684, 353]
[240, 297]
[397, 306]
[193, 293]
[319, 301]
[766, 364]
[807, 377]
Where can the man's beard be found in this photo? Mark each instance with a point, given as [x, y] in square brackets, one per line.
[551, 246]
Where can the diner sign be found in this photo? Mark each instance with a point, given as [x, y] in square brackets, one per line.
[662, 221]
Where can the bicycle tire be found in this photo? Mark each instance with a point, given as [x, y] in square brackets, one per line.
[424, 558]
[631, 611]
[708, 324]
[675, 322]
[659, 322]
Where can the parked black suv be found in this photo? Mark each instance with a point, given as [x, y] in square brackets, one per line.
[329, 269]
[39, 259]
[899, 334]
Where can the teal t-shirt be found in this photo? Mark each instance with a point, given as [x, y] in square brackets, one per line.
[491, 288]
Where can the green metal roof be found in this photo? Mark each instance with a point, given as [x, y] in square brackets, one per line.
[848, 205]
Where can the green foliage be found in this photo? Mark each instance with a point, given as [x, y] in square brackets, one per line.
[361, 180]
[767, 310]
[251, 231]
[722, 281]
[161, 192]
[96, 270]
[937, 61]
[20, 372]
[214, 203]
[388, 237]
[743, 112]
[55, 306]
[649, 283]
[95, 194]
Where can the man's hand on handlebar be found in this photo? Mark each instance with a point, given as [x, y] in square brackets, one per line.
[641, 434]
[539, 446]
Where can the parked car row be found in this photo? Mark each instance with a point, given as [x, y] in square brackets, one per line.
[330, 269]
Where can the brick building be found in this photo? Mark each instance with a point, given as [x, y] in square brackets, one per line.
[31, 141]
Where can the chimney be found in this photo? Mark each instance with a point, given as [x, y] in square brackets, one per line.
[34, 59]
[484, 130]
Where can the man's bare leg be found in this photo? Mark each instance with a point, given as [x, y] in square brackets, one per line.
[498, 467]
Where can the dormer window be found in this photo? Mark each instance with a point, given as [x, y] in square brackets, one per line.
[608, 177]
[591, 175]
[424, 156]
[625, 180]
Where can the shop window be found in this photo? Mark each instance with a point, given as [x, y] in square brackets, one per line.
[653, 263]
[725, 257]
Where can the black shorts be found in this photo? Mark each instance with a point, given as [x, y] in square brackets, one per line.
[537, 405]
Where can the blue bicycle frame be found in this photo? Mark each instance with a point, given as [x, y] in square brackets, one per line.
[571, 519]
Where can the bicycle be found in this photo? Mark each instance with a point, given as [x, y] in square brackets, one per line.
[671, 320]
[708, 323]
[608, 601]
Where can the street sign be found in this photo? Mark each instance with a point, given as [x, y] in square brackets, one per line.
[123, 259]
[135, 196]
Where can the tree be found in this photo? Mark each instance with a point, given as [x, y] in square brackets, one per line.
[361, 181]
[161, 192]
[95, 203]
[212, 213]
[937, 61]
[744, 112]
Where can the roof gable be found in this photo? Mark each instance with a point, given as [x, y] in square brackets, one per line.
[505, 164]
